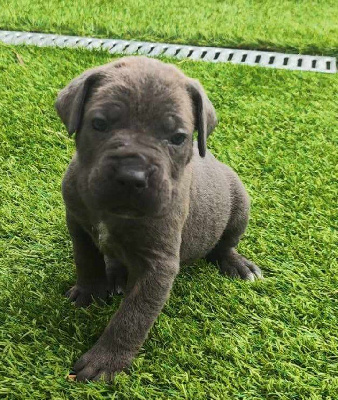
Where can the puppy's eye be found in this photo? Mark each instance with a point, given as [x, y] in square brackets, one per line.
[99, 124]
[178, 139]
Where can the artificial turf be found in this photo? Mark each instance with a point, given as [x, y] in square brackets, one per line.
[286, 25]
[216, 338]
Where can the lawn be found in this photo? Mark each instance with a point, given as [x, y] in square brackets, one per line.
[216, 338]
[309, 27]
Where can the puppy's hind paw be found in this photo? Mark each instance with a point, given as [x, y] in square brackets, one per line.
[117, 276]
[237, 266]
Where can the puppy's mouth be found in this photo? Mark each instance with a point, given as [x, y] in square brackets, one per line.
[133, 213]
[127, 212]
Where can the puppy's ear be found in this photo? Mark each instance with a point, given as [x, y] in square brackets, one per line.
[204, 114]
[70, 101]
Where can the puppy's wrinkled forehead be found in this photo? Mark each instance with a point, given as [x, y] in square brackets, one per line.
[147, 90]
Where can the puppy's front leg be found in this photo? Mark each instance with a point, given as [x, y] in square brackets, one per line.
[128, 328]
[92, 282]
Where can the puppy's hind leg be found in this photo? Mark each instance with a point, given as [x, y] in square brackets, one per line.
[117, 275]
[224, 254]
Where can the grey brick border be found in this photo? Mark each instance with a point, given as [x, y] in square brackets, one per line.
[212, 54]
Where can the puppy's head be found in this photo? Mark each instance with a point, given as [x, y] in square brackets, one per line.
[134, 121]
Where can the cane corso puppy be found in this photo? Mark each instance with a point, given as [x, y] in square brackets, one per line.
[142, 197]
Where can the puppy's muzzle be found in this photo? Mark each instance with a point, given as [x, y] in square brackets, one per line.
[132, 178]
[130, 184]
[132, 172]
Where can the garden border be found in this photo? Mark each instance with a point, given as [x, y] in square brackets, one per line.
[212, 54]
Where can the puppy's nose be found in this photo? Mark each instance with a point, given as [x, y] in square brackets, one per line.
[131, 177]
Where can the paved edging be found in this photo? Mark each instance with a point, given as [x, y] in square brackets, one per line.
[212, 54]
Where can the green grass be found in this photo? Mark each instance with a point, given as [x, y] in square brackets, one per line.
[216, 338]
[287, 25]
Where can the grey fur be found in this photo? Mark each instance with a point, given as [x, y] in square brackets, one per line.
[138, 203]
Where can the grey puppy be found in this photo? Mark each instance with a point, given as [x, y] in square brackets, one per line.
[141, 197]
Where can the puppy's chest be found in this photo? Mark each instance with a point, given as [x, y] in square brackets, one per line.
[103, 235]
[110, 241]
[120, 240]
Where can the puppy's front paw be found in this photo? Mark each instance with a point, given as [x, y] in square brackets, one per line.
[83, 297]
[237, 266]
[100, 363]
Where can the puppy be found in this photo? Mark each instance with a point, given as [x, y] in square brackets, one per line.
[141, 197]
